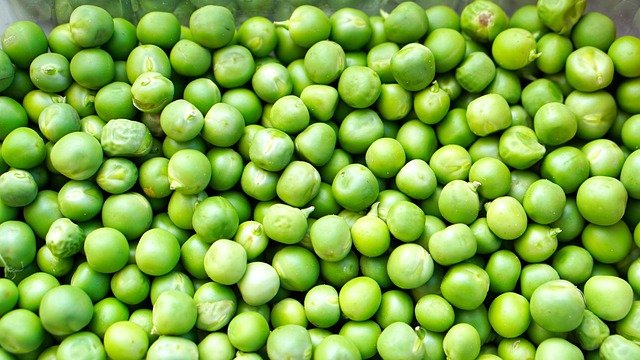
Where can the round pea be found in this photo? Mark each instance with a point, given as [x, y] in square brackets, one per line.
[557, 305]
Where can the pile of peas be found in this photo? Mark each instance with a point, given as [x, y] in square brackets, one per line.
[420, 184]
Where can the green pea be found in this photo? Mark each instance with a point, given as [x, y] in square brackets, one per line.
[452, 244]
[544, 201]
[590, 200]
[123, 40]
[114, 101]
[149, 33]
[145, 58]
[567, 167]
[13, 116]
[627, 327]
[298, 183]
[448, 47]
[493, 176]
[130, 285]
[122, 137]
[286, 49]
[526, 17]
[506, 83]
[130, 213]
[557, 305]
[61, 42]
[467, 279]
[487, 114]
[509, 314]
[359, 129]
[337, 273]
[514, 48]
[413, 66]
[537, 243]
[360, 298]
[355, 187]
[555, 124]
[79, 200]
[260, 283]
[258, 34]
[409, 266]
[324, 62]
[50, 72]
[51, 264]
[395, 23]
[465, 196]
[595, 112]
[476, 71]
[81, 99]
[151, 92]
[285, 224]
[117, 175]
[416, 179]
[292, 261]
[626, 174]
[84, 342]
[174, 313]
[552, 347]
[560, 17]
[573, 263]
[90, 25]
[625, 64]
[271, 82]
[487, 241]
[23, 41]
[202, 93]
[350, 28]
[379, 60]
[370, 235]
[289, 341]
[394, 102]
[592, 331]
[593, 239]
[18, 188]
[64, 238]
[271, 149]
[258, 183]
[504, 270]
[92, 68]
[363, 335]
[23, 148]
[331, 238]
[617, 345]
[553, 50]
[233, 66]
[450, 162]
[105, 313]
[94, 283]
[418, 139]
[431, 104]
[589, 69]
[212, 26]
[502, 208]
[519, 147]
[215, 218]
[68, 303]
[307, 25]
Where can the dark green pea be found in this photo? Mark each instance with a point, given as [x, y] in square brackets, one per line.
[90, 25]
[144, 58]
[476, 71]
[526, 17]
[120, 71]
[519, 147]
[459, 201]
[506, 84]
[151, 92]
[394, 102]
[506, 217]
[418, 139]
[450, 162]
[286, 49]
[189, 58]
[483, 20]
[566, 166]
[413, 66]
[338, 273]
[553, 50]
[50, 72]
[452, 244]
[81, 99]
[493, 176]
[560, 17]
[395, 23]
[226, 168]
[123, 39]
[212, 26]
[485, 147]
[23, 41]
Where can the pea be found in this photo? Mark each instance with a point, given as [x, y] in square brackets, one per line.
[573, 263]
[409, 266]
[406, 62]
[626, 327]
[359, 130]
[624, 65]
[50, 72]
[145, 58]
[519, 147]
[18, 188]
[462, 341]
[555, 124]
[259, 284]
[514, 48]
[589, 69]
[65, 302]
[509, 314]
[591, 205]
[202, 93]
[401, 15]
[122, 41]
[359, 86]
[23, 148]
[553, 50]
[557, 305]
[556, 346]
[130, 213]
[461, 193]
[483, 21]
[467, 279]
[212, 26]
[364, 336]
[509, 207]
[617, 345]
[23, 41]
[448, 48]
[215, 218]
[595, 111]
[289, 341]
[149, 33]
